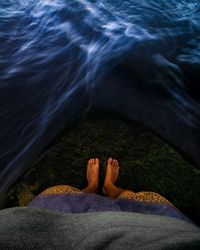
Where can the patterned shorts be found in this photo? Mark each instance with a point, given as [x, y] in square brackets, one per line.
[151, 197]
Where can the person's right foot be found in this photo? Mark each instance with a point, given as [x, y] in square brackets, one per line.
[112, 173]
[93, 173]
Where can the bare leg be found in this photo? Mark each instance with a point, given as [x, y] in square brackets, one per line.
[92, 176]
[112, 172]
[112, 191]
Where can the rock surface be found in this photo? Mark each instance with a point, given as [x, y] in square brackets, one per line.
[146, 163]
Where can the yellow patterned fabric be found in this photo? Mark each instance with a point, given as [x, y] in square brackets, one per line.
[145, 197]
[130, 195]
[60, 189]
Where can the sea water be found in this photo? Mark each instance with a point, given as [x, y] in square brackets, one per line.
[61, 59]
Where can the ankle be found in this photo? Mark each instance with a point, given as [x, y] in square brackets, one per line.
[108, 185]
[93, 186]
[111, 190]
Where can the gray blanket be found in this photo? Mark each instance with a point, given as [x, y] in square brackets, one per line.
[32, 228]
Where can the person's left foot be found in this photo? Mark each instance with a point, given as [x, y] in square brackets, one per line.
[93, 173]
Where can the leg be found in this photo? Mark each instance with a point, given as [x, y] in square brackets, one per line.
[112, 172]
[113, 191]
[93, 181]
[92, 176]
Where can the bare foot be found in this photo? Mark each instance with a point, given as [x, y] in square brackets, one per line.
[93, 173]
[112, 173]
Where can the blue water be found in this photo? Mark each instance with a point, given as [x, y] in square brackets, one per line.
[61, 59]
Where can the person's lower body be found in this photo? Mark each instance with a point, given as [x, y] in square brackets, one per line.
[109, 188]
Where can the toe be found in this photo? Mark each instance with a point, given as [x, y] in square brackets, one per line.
[116, 161]
[90, 162]
[110, 161]
[97, 161]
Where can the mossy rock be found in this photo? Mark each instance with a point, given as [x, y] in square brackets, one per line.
[147, 163]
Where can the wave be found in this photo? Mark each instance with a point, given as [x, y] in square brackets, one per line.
[61, 59]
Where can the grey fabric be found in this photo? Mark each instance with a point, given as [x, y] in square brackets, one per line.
[32, 228]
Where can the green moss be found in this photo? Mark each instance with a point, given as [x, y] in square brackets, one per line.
[146, 163]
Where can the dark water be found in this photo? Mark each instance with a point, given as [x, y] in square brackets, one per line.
[61, 59]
